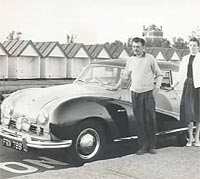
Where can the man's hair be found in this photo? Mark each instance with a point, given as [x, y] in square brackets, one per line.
[138, 39]
[194, 39]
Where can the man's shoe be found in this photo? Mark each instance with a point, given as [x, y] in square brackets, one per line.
[152, 151]
[141, 152]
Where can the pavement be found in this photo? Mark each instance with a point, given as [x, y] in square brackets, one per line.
[168, 163]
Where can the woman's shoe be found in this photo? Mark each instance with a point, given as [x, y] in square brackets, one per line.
[189, 144]
[197, 144]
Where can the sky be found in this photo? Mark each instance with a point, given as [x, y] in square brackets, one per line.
[96, 21]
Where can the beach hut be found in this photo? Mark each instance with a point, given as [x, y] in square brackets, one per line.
[118, 52]
[182, 52]
[173, 56]
[24, 59]
[53, 60]
[98, 52]
[3, 62]
[161, 54]
[78, 58]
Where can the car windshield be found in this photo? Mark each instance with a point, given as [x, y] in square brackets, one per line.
[101, 75]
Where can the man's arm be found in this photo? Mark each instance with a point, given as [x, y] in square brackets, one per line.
[124, 77]
[158, 74]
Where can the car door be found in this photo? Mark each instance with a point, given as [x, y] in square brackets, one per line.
[167, 100]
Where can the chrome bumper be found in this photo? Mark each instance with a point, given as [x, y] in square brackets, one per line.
[33, 141]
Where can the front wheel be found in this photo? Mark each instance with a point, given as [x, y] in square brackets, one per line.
[88, 143]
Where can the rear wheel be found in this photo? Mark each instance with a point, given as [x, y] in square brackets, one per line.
[88, 143]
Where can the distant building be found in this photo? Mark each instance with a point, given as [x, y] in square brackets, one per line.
[153, 36]
[152, 32]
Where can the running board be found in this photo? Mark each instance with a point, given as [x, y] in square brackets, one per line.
[158, 134]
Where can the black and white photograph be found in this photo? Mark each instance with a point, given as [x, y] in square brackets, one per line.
[99, 89]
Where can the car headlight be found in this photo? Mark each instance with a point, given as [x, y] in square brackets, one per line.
[7, 109]
[23, 123]
[26, 124]
[5, 121]
[43, 118]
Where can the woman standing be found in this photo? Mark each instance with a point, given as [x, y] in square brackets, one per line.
[189, 73]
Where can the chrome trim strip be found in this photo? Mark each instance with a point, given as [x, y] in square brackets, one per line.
[157, 134]
[172, 131]
[126, 138]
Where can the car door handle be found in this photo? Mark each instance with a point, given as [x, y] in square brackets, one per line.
[121, 110]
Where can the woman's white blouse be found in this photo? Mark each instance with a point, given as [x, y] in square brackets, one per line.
[182, 74]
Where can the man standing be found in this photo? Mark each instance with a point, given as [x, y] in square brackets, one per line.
[146, 78]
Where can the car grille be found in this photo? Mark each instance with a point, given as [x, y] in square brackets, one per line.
[12, 124]
[33, 128]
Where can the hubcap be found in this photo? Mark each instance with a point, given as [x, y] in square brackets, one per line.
[87, 144]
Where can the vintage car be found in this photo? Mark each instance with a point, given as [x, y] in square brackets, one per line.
[84, 116]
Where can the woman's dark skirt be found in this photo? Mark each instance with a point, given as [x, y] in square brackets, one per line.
[190, 103]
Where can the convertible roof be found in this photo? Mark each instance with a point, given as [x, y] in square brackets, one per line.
[168, 66]
[122, 63]
[112, 62]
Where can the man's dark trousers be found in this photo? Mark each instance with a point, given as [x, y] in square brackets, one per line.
[144, 111]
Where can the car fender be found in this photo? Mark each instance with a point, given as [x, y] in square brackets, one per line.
[108, 112]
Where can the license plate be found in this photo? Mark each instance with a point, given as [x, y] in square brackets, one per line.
[12, 144]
